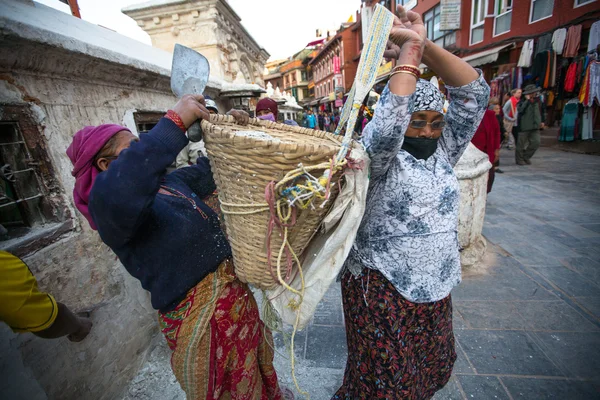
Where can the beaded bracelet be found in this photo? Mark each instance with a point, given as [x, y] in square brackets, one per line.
[405, 72]
[408, 68]
[173, 116]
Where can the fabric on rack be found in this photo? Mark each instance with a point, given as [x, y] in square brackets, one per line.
[548, 74]
[539, 67]
[584, 91]
[594, 40]
[526, 53]
[594, 71]
[544, 43]
[571, 78]
[568, 123]
[560, 77]
[558, 40]
[573, 41]
[587, 124]
[554, 66]
[519, 77]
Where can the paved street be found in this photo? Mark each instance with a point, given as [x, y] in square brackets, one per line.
[527, 321]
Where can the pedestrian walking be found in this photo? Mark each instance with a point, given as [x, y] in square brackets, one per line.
[321, 120]
[498, 111]
[511, 116]
[531, 116]
[327, 121]
[397, 280]
[166, 231]
[487, 139]
[311, 119]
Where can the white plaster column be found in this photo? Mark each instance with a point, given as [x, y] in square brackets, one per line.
[472, 172]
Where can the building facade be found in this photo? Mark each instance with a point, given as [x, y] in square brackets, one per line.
[493, 31]
[210, 27]
[334, 67]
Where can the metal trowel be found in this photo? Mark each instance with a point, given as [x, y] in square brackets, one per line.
[189, 75]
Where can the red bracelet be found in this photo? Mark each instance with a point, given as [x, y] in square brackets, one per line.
[408, 68]
[173, 116]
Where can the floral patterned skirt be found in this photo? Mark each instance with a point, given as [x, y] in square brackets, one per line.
[221, 348]
[396, 349]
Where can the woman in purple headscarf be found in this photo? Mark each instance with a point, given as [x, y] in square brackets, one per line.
[405, 261]
[166, 234]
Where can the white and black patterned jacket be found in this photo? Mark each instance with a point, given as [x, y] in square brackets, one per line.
[409, 231]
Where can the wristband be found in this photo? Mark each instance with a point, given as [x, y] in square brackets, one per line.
[173, 116]
[408, 68]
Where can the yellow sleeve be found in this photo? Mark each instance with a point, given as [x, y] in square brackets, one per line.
[22, 306]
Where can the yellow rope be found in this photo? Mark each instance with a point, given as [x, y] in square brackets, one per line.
[261, 207]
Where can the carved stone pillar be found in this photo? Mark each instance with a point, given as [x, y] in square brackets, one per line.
[472, 172]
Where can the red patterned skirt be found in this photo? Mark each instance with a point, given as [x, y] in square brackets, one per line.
[396, 349]
[221, 348]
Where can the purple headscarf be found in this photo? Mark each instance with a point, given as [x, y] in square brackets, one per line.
[86, 144]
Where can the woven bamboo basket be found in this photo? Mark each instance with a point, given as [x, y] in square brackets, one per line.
[244, 160]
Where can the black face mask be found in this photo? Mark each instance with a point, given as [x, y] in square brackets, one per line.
[420, 148]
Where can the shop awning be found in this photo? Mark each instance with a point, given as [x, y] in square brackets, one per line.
[314, 102]
[485, 57]
[325, 100]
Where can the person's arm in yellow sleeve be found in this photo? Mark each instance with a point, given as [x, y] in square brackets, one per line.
[25, 309]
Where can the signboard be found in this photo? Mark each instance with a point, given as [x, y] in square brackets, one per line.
[450, 15]
[337, 65]
[332, 96]
[407, 4]
[385, 68]
[339, 103]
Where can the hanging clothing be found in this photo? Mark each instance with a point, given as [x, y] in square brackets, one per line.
[594, 40]
[571, 78]
[544, 43]
[587, 124]
[594, 83]
[584, 92]
[526, 53]
[539, 68]
[558, 40]
[568, 124]
[573, 41]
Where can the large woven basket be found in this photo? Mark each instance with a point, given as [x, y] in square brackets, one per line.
[244, 160]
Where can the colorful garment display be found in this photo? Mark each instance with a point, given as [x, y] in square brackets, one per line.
[571, 78]
[569, 123]
[526, 53]
[594, 83]
[558, 40]
[544, 43]
[587, 124]
[573, 41]
[594, 39]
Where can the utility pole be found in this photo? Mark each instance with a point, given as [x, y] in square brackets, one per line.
[74, 7]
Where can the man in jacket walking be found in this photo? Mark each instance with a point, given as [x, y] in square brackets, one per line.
[531, 114]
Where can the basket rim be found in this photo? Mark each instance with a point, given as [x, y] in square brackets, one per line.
[225, 132]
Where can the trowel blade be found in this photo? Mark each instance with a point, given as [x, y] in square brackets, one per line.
[189, 72]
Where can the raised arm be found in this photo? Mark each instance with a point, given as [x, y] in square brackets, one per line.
[123, 194]
[469, 95]
[384, 135]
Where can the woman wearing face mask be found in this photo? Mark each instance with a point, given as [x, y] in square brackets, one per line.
[266, 109]
[405, 261]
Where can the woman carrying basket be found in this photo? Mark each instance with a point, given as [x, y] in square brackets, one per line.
[405, 261]
[167, 237]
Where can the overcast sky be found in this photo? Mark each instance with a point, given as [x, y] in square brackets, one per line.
[282, 27]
